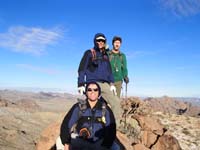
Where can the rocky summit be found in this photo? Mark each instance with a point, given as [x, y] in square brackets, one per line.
[32, 121]
[24, 116]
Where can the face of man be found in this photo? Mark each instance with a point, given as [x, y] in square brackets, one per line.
[101, 44]
[92, 92]
[116, 45]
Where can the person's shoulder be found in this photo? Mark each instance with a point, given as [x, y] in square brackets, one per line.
[102, 100]
[122, 53]
[109, 52]
[87, 51]
[75, 105]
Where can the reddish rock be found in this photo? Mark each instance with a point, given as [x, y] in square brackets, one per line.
[3, 103]
[167, 142]
[148, 138]
[124, 140]
[140, 147]
[48, 137]
[150, 124]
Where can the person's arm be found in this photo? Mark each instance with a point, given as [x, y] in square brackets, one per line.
[124, 70]
[82, 68]
[68, 122]
[110, 129]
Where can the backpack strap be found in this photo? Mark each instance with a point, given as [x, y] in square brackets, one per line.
[110, 53]
[120, 57]
[93, 54]
[103, 118]
[82, 106]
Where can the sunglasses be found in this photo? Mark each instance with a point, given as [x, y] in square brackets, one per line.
[90, 90]
[100, 40]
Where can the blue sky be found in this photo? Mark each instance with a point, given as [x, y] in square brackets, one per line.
[42, 42]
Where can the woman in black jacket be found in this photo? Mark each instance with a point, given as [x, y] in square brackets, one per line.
[90, 123]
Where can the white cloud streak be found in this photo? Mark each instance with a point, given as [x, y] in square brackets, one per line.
[182, 8]
[141, 53]
[31, 40]
[38, 69]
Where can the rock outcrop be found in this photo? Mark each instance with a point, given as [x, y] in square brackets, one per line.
[48, 137]
[172, 106]
[139, 130]
[32, 121]
[144, 130]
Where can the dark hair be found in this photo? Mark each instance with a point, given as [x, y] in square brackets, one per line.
[87, 85]
[116, 38]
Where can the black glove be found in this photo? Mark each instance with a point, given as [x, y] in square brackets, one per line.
[126, 80]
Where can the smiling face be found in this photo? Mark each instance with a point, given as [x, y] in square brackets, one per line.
[116, 45]
[92, 92]
[100, 44]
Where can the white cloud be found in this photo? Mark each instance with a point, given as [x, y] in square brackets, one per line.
[182, 7]
[141, 53]
[38, 69]
[29, 40]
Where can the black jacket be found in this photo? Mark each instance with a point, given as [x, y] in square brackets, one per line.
[99, 131]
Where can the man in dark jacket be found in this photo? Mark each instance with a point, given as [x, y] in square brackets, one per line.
[90, 124]
[95, 66]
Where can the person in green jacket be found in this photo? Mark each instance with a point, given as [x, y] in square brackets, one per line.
[118, 64]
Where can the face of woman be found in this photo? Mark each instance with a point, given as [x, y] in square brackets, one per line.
[100, 43]
[92, 92]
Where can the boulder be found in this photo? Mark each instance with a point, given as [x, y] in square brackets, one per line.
[48, 137]
[148, 138]
[150, 124]
[140, 147]
[166, 142]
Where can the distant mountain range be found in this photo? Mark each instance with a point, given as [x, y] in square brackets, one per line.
[55, 91]
[15, 95]
[34, 89]
[193, 100]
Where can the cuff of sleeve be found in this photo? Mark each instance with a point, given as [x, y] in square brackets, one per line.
[111, 84]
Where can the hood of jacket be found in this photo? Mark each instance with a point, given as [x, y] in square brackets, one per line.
[95, 37]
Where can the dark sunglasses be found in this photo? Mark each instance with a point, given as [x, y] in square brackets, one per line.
[90, 90]
[100, 40]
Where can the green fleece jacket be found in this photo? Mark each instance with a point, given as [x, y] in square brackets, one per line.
[119, 65]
